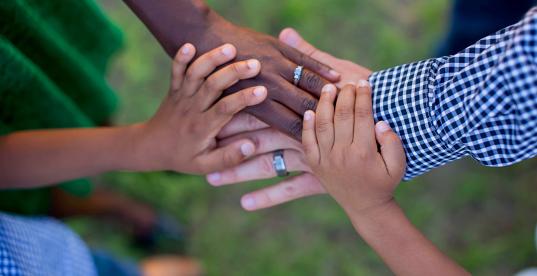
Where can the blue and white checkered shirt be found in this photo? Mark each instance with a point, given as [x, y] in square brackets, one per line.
[481, 102]
[41, 246]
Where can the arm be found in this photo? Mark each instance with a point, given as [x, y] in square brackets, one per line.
[480, 102]
[340, 145]
[180, 137]
[400, 244]
[35, 158]
[174, 22]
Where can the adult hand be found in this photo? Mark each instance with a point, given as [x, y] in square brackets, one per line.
[286, 102]
[350, 72]
[260, 167]
[266, 140]
[176, 22]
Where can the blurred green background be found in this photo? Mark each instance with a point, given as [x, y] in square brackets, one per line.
[484, 218]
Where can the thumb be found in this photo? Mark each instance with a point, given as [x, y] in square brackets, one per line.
[391, 149]
[292, 38]
[228, 156]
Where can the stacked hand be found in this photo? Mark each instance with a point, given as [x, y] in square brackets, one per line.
[182, 134]
[285, 102]
[268, 140]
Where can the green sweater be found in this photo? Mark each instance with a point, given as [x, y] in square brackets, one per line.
[53, 58]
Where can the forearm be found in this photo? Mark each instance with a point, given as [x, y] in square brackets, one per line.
[480, 102]
[402, 247]
[38, 158]
[176, 22]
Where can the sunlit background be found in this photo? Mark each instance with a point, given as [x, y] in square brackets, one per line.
[484, 218]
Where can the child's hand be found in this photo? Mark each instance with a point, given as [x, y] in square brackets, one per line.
[341, 148]
[181, 135]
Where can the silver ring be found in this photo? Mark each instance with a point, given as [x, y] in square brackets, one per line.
[278, 162]
[297, 75]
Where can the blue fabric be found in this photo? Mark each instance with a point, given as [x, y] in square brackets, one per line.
[41, 246]
[472, 20]
[481, 102]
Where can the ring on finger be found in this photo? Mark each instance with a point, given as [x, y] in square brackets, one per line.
[297, 75]
[278, 162]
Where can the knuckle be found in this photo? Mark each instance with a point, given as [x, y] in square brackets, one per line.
[310, 151]
[295, 128]
[309, 104]
[363, 113]
[211, 84]
[238, 69]
[291, 191]
[191, 74]
[230, 158]
[344, 113]
[363, 155]
[222, 108]
[215, 57]
[313, 81]
[323, 125]
[194, 128]
[256, 140]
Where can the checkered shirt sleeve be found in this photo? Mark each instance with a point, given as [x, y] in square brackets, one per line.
[481, 102]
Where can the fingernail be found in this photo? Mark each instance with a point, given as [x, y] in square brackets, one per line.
[363, 83]
[247, 149]
[227, 50]
[248, 202]
[382, 127]
[292, 39]
[308, 115]
[186, 49]
[214, 178]
[259, 91]
[334, 74]
[253, 64]
[329, 88]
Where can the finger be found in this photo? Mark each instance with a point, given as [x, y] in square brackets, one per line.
[296, 99]
[324, 120]
[241, 122]
[228, 156]
[280, 117]
[309, 81]
[205, 65]
[297, 57]
[223, 111]
[257, 168]
[183, 57]
[309, 139]
[364, 135]
[391, 149]
[290, 189]
[224, 78]
[265, 140]
[293, 39]
[344, 116]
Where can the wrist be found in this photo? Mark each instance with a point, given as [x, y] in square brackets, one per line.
[134, 148]
[193, 19]
[373, 215]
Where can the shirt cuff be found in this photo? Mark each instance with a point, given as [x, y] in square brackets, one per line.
[404, 97]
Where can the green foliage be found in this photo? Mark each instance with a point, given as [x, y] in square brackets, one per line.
[484, 218]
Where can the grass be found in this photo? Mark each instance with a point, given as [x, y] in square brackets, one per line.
[482, 217]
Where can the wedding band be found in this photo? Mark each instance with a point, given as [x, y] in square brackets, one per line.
[297, 75]
[278, 162]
